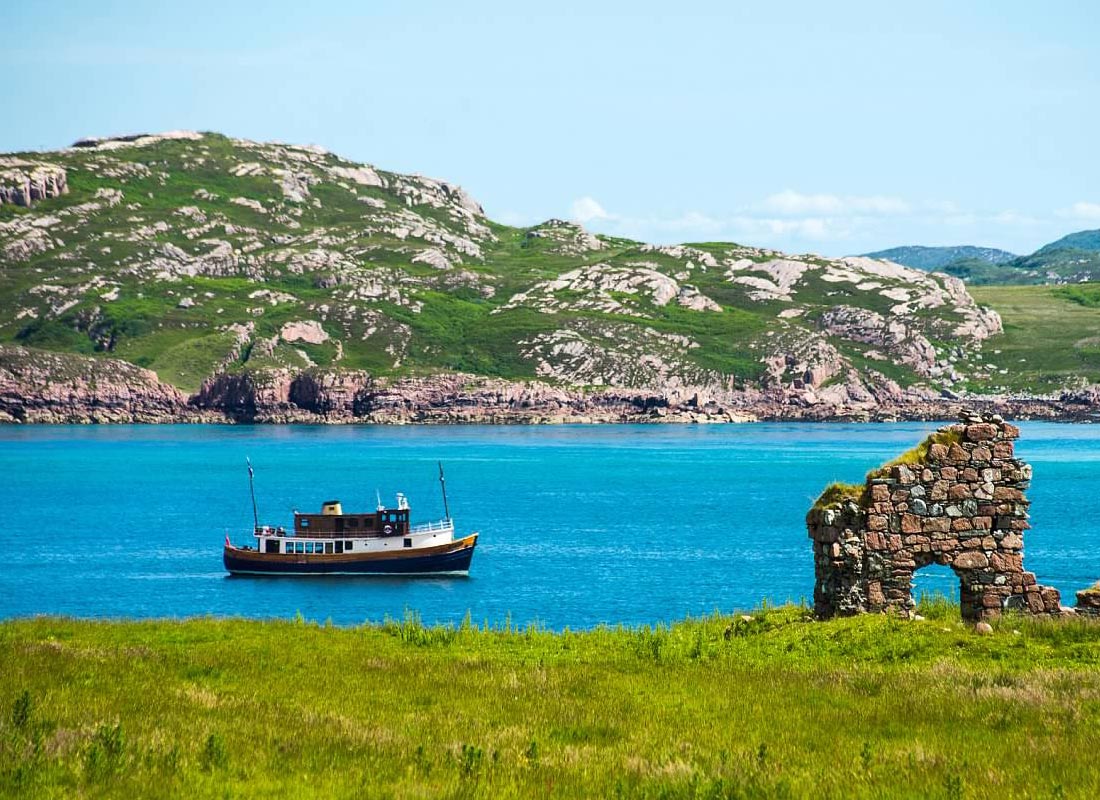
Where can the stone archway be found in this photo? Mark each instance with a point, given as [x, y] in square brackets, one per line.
[957, 499]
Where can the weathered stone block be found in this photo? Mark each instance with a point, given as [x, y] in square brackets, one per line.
[936, 525]
[1007, 562]
[981, 454]
[981, 432]
[970, 559]
[910, 523]
[957, 455]
[960, 491]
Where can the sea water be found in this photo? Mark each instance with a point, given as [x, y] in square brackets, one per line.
[580, 525]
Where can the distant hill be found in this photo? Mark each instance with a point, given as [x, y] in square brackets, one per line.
[197, 255]
[1082, 240]
[1072, 259]
[936, 258]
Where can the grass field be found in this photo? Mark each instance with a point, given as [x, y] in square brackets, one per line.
[1051, 335]
[772, 705]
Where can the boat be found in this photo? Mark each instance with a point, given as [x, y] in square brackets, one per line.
[384, 542]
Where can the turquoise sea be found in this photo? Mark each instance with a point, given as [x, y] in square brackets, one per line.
[580, 525]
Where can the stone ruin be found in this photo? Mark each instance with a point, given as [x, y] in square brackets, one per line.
[957, 500]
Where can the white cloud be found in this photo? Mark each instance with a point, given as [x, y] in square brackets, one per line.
[586, 209]
[790, 220]
[792, 203]
[1082, 211]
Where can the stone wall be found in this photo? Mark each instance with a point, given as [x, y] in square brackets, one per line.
[955, 500]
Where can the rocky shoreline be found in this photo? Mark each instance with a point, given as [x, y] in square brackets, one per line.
[54, 388]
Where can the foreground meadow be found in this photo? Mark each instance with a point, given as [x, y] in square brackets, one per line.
[772, 705]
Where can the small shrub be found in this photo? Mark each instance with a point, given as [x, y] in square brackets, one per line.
[21, 710]
[105, 753]
[532, 752]
[214, 755]
[470, 762]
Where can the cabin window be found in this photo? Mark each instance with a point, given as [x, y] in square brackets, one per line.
[408, 543]
[309, 547]
[328, 548]
[303, 523]
[340, 546]
[347, 545]
[299, 547]
[353, 523]
[272, 546]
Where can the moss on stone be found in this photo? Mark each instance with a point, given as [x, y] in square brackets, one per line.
[919, 454]
[837, 493]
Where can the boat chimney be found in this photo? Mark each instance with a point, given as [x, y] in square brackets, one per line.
[331, 508]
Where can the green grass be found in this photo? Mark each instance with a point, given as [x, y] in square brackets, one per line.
[838, 492]
[919, 454]
[186, 364]
[1044, 326]
[772, 705]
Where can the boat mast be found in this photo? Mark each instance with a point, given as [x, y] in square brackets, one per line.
[252, 489]
[443, 486]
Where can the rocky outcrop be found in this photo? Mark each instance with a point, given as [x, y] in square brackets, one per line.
[956, 500]
[24, 183]
[317, 395]
[1088, 601]
[332, 394]
[37, 386]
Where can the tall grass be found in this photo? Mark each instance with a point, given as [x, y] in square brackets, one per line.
[771, 704]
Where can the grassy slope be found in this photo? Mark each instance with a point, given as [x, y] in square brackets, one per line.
[871, 706]
[1049, 337]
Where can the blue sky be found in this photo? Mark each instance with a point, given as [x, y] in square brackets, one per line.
[833, 127]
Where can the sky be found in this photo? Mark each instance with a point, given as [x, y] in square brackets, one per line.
[829, 127]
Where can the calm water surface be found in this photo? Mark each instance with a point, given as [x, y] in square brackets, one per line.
[580, 525]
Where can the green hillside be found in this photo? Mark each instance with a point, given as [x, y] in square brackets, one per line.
[195, 254]
[1051, 335]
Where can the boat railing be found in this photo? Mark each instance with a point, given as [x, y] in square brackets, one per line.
[442, 526]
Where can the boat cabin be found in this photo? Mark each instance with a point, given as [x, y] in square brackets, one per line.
[333, 523]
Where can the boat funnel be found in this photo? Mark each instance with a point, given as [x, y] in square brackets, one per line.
[331, 508]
